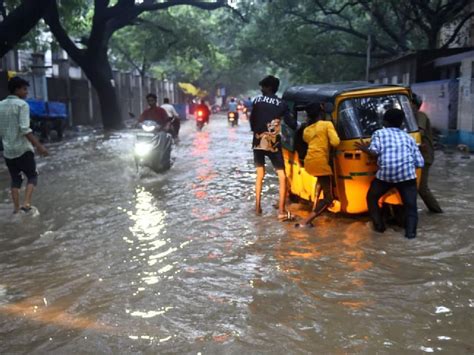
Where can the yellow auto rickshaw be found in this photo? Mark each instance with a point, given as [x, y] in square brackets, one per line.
[356, 109]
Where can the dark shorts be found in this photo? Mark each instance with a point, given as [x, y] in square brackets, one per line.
[276, 158]
[24, 164]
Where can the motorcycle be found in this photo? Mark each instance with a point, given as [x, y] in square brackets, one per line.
[153, 147]
[233, 118]
[200, 120]
[215, 109]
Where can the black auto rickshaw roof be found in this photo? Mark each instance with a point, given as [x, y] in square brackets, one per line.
[304, 94]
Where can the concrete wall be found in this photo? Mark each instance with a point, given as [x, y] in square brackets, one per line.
[439, 102]
[466, 103]
[71, 87]
[466, 96]
[83, 102]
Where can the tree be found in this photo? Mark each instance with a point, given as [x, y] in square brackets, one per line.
[326, 40]
[155, 40]
[395, 25]
[92, 56]
[20, 21]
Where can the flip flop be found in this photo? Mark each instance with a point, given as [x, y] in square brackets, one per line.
[26, 209]
[286, 217]
[306, 225]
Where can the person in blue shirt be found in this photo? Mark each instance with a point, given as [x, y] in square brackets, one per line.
[233, 105]
[248, 104]
[398, 157]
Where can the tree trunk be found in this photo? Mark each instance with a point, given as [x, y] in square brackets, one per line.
[99, 72]
[19, 22]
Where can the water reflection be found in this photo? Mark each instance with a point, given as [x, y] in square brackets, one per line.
[148, 220]
[309, 256]
[151, 250]
[38, 310]
[111, 266]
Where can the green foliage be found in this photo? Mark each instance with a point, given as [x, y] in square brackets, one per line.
[301, 41]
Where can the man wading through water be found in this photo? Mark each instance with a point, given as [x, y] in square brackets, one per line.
[267, 114]
[18, 142]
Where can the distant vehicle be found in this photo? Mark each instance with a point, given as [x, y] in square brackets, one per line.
[201, 114]
[356, 109]
[216, 109]
[48, 116]
[233, 118]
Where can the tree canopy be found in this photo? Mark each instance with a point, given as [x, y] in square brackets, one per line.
[231, 43]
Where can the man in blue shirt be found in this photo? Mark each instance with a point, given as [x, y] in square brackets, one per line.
[397, 158]
[18, 142]
[233, 105]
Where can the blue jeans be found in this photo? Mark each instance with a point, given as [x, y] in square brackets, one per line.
[408, 193]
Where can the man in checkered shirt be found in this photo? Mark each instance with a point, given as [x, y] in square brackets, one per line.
[398, 157]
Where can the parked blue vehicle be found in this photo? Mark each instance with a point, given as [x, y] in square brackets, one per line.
[48, 116]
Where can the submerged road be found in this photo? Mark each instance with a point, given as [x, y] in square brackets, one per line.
[179, 263]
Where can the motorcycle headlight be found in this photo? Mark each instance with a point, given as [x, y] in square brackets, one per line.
[148, 128]
[142, 149]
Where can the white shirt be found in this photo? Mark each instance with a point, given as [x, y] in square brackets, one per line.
[170, 110]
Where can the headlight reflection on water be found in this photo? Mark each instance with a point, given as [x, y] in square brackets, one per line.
[151, 249]
[149, 220]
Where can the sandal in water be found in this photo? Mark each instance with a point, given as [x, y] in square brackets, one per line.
[286, 217]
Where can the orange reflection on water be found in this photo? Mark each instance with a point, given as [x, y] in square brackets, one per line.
[200, 144]
[34, 309]
[327, 241]
[205, 175]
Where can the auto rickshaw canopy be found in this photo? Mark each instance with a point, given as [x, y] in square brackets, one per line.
[302, 95]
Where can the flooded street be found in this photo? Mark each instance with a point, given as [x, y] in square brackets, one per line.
[179, 263]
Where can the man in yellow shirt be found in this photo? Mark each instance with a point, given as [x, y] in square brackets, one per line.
[320, 135]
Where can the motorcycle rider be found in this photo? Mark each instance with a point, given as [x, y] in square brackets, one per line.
[248, 103]
[233, 106]
[173, 116]
[204, 109]
[155, 113]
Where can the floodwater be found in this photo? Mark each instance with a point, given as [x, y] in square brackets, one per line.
[178, 263]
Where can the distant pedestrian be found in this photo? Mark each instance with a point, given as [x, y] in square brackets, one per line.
[18, 142]
[427, 150]
[397, 158]
[320, 135]
[267, 114]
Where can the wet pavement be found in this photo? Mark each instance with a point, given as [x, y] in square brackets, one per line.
[178, 263]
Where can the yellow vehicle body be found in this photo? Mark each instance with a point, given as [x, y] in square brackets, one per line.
[353, 170]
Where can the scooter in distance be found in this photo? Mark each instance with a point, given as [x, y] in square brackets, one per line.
[201, 119]
[233, 118]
